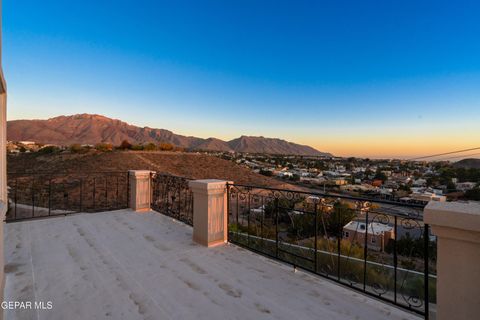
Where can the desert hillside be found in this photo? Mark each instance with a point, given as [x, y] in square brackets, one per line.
[468, 164]
[190, 165]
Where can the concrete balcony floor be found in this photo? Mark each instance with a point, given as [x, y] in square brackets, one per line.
[125, 265]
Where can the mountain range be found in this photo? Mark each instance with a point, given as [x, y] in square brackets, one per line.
[92, 129]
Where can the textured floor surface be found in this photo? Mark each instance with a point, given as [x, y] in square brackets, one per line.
[123, 265]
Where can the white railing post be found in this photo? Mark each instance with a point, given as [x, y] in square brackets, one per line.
[457, 227]
[139, 182]
[209, 211]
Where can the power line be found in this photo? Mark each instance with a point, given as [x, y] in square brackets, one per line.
[443, 154]
[462, 156]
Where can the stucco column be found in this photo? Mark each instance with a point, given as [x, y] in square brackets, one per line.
[209, 211]
[140, 189]
[457, 227]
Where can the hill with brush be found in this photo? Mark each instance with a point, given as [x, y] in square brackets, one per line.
[189, 165]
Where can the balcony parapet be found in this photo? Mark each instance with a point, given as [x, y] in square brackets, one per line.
[457, 227]
[140, 191]
[209, 211]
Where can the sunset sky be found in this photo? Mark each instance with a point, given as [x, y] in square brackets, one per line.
[354, 78]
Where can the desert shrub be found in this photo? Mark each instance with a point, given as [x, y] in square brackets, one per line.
[104, 147]
[267, 173]
[295, 177]
[137, 147]
[150, 147]
[77, 148]
[164, 146]
[49, 149]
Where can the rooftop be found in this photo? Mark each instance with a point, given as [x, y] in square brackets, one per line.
[124, 265]
[375, 228]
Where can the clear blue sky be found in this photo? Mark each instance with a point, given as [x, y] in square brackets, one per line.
[373, 78]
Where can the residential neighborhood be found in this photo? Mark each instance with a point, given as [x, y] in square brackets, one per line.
[392, 179]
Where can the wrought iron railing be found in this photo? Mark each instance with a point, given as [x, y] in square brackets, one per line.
[39, 195]
[171, 196]
[381, 248]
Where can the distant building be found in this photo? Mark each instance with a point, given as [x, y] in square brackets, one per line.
[427, 196]
[312, 180]
[285, 174]
[419, 183]
[464, 186]
[259, 210]
[338, 182]
[358, 187]
[387, 173]
[27, 143]
[377, 234]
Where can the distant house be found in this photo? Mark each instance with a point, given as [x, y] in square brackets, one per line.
[419, 183]
[313, 199]
[338, 181]
[358, 187]
[427, 196]
[285, 174]
[387, 173]
[391, 184]
[259, 210]
[27, 143]
[385, 191]
[312, 180]
[330, 173]
[377, 234]
[464, 186]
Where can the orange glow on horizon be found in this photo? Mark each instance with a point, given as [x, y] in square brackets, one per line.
[395, 147]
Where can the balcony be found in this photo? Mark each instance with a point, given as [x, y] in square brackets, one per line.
[125, 265]
[74, 242]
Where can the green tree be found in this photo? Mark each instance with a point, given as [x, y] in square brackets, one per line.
[48, 150]
[267, 173]
[368, 173]
[451, 186]
[379, 175]
[446, 175]
[301, 226]
[295, 177]
[125, 145]
[341, 215]
[280, 206]
[473, 194]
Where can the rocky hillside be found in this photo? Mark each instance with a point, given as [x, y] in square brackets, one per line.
[468, 164]
[92, 129]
